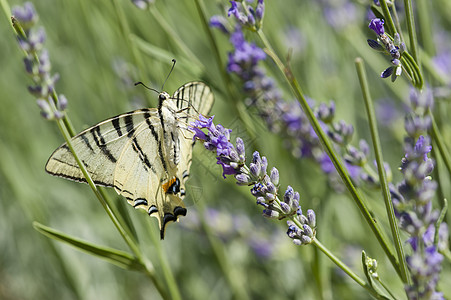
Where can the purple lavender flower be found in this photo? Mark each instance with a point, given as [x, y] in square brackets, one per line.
[37, 62]
[245, 54]
[377, 25]
[247, 16]
[265, 188]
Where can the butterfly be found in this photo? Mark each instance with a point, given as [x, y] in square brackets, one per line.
[145, 155]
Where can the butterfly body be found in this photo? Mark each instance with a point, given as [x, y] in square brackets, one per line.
[145, 155]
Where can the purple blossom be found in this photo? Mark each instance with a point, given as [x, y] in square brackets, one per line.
[417, 150]
[246, 15]
[26, 15]
[244, 56]
[377, 25]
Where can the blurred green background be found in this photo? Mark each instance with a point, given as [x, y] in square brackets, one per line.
[100, 48]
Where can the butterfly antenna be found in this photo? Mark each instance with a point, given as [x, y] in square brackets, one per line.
[172, 68]
[149, 88]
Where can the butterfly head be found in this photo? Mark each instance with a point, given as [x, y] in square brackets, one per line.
[163, 96]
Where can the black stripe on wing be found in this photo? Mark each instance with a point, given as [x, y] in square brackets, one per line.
[100, 142]
[157, 139]
[74, 178]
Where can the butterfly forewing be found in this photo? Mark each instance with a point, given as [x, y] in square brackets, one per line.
[192, 99]
[98, 147]
[144, 154]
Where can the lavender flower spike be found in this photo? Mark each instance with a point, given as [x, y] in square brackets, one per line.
[37, 62]
[247, 16]
[265, 188]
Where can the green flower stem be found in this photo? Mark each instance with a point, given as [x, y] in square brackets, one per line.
[396, 20]
[407, 58]
[345, 268]
[380, 166]
[389, 24]
[411, 29]
[331, 152]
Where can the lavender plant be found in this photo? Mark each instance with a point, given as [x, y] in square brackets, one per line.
[412, 201]
[37, 62]
[310, 129]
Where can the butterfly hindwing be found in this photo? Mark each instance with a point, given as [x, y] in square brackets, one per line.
[144, 154]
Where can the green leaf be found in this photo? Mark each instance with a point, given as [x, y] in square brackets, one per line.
[117, 257]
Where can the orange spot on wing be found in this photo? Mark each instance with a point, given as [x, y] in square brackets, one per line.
[168, 184]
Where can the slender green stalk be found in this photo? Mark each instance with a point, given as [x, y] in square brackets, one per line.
[358, 199]
[396, 21]
[380, 166]
[6, 9]
[149, 270]
[389, 24]
[411, 29]
[346, 269]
